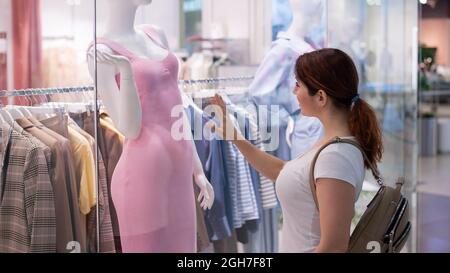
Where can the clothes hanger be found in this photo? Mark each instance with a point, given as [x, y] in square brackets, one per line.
[11, 119]
[2, 120]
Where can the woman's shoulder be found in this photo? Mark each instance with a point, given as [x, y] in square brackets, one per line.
[342, 147]
[343, 151]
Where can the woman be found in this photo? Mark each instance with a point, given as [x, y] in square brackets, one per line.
[327, 84]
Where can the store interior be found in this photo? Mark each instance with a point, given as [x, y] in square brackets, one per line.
[433, 191]
[401, 49]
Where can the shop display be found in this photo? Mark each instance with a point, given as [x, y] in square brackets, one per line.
[104, 120]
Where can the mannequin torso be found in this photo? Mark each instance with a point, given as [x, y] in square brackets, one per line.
[152, 183]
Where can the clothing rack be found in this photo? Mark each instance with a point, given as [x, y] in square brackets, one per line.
[45, 91]
[90, 88]
[216, 80]
[57, 38]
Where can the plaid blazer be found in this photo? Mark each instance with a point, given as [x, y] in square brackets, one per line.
[59, 178]
[27, 206]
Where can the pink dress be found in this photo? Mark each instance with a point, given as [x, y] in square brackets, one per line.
[152, 186]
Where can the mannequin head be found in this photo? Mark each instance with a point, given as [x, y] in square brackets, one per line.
[120, 16]
[306, 15]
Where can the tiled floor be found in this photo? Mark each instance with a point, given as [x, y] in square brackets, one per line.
[433, 201]
[434, 175]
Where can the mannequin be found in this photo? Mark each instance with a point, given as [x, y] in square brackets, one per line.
[348, 39]
[306, 15]
[303, 132]
[275, 81]
[152, 183]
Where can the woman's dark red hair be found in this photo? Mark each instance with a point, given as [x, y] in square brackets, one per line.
[334, 72]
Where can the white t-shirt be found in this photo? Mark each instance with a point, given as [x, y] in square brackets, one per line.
[301, 223]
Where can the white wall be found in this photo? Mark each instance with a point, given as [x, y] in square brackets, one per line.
[164, 13]
[62, 19]
[59, 19]
[436, 33]
[240, 19]
[386, 31]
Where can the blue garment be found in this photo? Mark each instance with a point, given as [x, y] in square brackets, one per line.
[217, 219]
[242, 194]
[251, 232]
[273, 85]
[281, 16]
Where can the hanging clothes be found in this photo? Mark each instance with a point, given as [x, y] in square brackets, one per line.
[69, 172]
[63, 197]
[240, 105]
[110, 142]
[83, 146]
[27, 204]
[217, 220]
[107, 242]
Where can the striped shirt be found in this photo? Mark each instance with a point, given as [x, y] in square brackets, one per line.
[242, 194]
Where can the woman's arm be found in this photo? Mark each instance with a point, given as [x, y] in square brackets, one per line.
[336, 206]
[266, 164]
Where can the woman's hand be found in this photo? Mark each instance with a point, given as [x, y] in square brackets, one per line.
[227, 129]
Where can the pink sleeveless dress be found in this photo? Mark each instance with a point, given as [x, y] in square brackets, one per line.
[152, 186]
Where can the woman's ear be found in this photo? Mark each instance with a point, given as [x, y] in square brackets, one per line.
[322, 98]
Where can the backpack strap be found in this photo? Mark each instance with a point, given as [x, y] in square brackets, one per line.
[312, 180]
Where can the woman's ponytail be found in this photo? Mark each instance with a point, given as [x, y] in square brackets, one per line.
[363, 124]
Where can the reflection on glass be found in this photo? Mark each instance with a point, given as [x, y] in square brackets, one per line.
[379, 35]
[66, 31]
[48, 38]
[192, 25]
[281, 16]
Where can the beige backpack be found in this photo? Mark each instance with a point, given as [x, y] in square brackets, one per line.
[384, 226]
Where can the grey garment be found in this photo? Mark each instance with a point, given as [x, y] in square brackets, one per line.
[264, 239]
[271, 229]
[27, 206]
[256, 240]
[57, 128]
[63, 208]
[227, 245]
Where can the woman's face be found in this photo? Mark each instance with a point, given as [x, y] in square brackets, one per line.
[307, 103]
